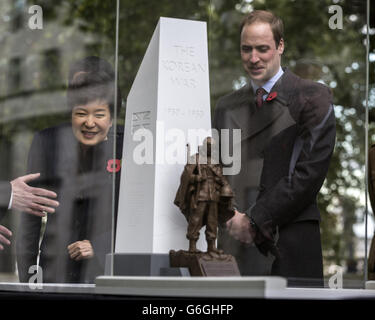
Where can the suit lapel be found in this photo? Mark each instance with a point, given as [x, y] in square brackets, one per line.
[245, 107]
[251, 119]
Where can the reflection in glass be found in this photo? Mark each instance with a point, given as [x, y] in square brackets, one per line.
[75, 161]
[34, 68]
[313, 50]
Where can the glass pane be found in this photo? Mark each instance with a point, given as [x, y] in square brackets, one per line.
[371, 104]
[84, 167]
[57, 120]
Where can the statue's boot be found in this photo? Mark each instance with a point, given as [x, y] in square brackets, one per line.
[193, 246]
[211, 247]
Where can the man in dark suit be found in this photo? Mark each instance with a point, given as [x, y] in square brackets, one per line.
[18, 195]
[287, 139]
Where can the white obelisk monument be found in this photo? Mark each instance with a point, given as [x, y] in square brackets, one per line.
[168, 106]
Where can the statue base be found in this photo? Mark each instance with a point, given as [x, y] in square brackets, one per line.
[204, 264]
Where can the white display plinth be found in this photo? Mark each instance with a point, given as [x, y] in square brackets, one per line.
[222, 287]
[234, 287]
[170, 99]
[48, 287]
[370, 285]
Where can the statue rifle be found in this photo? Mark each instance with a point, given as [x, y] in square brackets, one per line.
[199, 175]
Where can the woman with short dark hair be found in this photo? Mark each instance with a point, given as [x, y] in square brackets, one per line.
[76, 161]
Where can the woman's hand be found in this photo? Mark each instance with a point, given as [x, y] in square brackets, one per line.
[80, 250]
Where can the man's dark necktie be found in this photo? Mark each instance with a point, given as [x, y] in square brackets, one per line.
[259, 93]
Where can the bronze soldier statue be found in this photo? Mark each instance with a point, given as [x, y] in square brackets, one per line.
[204, 197]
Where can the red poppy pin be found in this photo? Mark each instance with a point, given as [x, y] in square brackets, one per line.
[113, 165]
[272, 96]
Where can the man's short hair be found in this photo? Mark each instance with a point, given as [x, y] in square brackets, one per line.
[263, 16]
[92, 79]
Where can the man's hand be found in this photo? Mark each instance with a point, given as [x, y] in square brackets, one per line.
[239, 228]
[80, 250]
[4, 234]
[32, 200]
